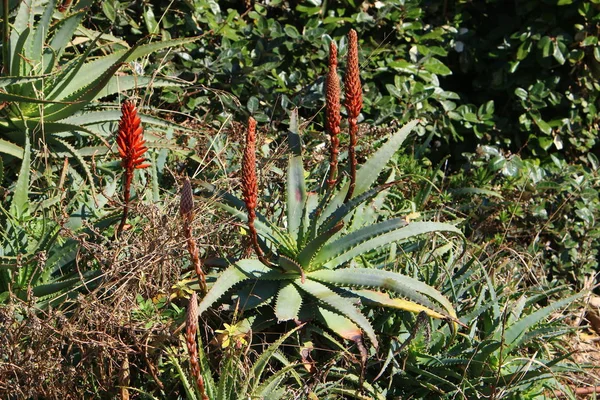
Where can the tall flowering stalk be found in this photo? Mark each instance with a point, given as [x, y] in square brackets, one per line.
[353, 103]
[186, 210]
[130, 142]
[333, 118]
[250, 185]
[191, 327]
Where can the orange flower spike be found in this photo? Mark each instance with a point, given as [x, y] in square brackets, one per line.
[130, 143]
[353, 103]
[130, 139]
[333, 117]
[250, 186]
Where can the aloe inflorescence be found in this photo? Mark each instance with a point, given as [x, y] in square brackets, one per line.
[333, 118]
[131, 145]
[186, 209]
[353, 103]
[250, 185]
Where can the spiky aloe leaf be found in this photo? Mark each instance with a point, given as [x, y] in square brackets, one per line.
[16, 80]
[80, 160]
[20, 199]
[368, 173]
[374, 298]
[238, 272]
[12, 149]
[103, 65]
[124, 83]
[373, 236]
[261, 362]
[40, 33]
[513, 335]
[92, 119]
[63, 34]
[265, 228]
[289, 301]
[345, 209]
[292, 266]
[296, 186]
[339, 304]
[252, 296]
[342, 326]
[267, 389]
[403, 285]
[308, 252]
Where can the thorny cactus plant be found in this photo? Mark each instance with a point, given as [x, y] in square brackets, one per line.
[303, 265]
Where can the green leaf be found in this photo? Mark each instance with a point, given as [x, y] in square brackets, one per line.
[122, 84]
[11, 149]
[296, 187]
[514, 334]
[558, 54]
[288, 303]
[373, 236]
[20, 200]
[340, 305]
[374, 298]
[237, 273]
[369, 172]
[342, 326]
[308, 252]
[261, 362]
[437, 67]
[405, 286]
[16, 80]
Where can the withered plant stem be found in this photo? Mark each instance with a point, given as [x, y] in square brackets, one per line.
[191, 327]
[186, 209]
[353, 102]
[333, 117]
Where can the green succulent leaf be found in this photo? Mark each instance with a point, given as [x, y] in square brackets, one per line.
[339, 304]
[237, 273]
[289, 301]
[403, 285]
[12, 149]
[373, 236]
[20, 199]
[261, 362]
[296, 187]
[339, 324]
[514, 334]
[370, 170]
[374, 298]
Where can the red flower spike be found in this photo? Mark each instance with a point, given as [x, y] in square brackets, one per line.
[130, 139]
[130, 143]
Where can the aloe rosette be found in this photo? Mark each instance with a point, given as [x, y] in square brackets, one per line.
[307, 274]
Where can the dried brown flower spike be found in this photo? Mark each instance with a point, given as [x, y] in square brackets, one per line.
[186, 209]
[130, 143]
[191, 327]
[353, 103]
[333, 118]
[250, 185]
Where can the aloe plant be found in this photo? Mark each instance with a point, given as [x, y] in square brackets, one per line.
[50, 84]
[305, 268]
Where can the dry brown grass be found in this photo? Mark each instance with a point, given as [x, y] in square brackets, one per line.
[78, 350]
